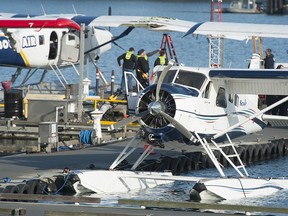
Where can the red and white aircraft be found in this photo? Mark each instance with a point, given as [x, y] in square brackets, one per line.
[47, 42]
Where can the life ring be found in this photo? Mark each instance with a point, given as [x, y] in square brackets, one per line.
[280, 148]
[194, 158]
[183, 164]
[23, 189]
[203, 161]
[285, 148]
[241, 152]
[9, 189]
[3, 190]
[148, 165]
[34, 186]
[158, 166]
[273, 150]
[264, 152]
[222, 159]
[255, 153]
[250, 154]
[175, 163]
[166, 163]
[187, 165]
[12, 189]
[48, 185]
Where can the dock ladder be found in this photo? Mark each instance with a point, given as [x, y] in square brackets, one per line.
[167, 42]
[232, 156]
[59, 75]
[216, 42]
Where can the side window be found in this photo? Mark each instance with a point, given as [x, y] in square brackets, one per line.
[221, 99]
[41, 39]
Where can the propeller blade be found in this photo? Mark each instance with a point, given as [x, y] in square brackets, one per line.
[179, 127]
[123, 34]
[128, 120]
[162, 76]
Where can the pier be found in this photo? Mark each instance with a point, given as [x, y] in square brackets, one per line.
[277, 7]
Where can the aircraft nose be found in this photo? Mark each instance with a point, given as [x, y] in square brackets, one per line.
[166, 104]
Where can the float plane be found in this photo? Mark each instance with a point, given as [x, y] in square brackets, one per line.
[49, 45]
[197, 106]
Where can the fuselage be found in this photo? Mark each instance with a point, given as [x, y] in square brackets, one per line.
[36, 47]
[190, 97]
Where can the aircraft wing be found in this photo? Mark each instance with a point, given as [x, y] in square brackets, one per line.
[248, 81]
[151, 23]
[239, 31]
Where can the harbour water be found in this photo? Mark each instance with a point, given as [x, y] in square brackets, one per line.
[191, 51]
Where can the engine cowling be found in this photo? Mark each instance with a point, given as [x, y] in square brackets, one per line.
[166, 103]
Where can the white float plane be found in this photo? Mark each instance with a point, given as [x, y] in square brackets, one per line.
[201, 106]
[40, 45]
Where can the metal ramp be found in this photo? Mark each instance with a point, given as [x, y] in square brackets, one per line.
[167, 43]
[232, 156]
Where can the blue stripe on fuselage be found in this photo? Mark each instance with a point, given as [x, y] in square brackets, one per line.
[8, 56]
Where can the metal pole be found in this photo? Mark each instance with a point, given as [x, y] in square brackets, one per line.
[81, 72]
[97, 82]
[112, 82]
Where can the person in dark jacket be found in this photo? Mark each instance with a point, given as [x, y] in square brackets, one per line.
[142, 68]
[269, 59]
[162, 59]
[129, 64]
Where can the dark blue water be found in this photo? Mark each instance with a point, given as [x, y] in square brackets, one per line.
[190, 50]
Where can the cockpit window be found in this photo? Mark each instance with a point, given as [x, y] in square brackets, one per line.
[169, 76]
[190, 79]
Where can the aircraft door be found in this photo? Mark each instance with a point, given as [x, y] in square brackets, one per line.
[132, 89]
[53, 48]
[70, 47]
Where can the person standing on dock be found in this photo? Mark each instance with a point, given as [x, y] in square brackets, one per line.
[129, 64]
[269, 59]
[142, 68]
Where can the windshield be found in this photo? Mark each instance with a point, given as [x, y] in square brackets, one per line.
[169, 76]
[190, 79]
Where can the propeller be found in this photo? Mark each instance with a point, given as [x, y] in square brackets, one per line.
[162, 76]
[123, 34]
[157, 108]
[179, 127]
[128, 120]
